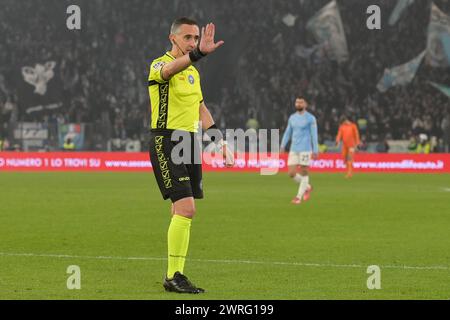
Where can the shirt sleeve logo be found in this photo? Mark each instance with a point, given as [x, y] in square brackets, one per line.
[158, 65]
[191, 79]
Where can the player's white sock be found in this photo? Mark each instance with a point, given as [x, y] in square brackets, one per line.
[297, 178]
[303, 186]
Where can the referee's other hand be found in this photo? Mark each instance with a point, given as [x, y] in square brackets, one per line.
[228, 157]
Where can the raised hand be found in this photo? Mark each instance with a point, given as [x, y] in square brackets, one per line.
[207, 44]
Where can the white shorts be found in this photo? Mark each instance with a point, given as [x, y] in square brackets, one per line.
[299, 158]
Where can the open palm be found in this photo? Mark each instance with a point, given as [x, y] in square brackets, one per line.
[207, 44]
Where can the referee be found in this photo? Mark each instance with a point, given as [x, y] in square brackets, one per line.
[177, 105]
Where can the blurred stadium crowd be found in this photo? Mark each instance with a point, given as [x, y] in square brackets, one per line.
[252, 81]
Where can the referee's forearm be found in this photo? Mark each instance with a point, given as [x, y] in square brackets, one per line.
[205, 117]
[175, 66]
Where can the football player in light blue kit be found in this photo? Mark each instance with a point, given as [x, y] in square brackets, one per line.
[302, 130]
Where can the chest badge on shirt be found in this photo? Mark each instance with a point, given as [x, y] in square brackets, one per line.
[191, 79]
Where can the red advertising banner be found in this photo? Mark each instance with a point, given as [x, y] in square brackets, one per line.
[122, 161]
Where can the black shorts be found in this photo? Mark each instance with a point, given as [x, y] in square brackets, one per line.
[175, 180]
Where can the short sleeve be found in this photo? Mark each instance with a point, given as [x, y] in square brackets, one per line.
[155, 71]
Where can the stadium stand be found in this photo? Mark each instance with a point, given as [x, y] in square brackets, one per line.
[100, 73]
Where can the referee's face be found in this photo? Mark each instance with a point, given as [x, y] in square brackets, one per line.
[186, 37]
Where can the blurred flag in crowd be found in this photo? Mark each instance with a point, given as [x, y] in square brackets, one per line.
[444, 89]
[400, 75]
[39, 88]
[438, 30]
[445, 38]
[327, 27]
[401, 6]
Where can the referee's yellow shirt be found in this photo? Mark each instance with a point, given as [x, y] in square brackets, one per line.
[175, 103]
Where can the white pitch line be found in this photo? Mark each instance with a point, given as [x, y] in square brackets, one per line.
[301, 264]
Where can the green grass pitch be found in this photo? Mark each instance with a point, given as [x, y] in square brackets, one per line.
[247, 240]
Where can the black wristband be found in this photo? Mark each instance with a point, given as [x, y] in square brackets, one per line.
[196, 54]
[214, 133]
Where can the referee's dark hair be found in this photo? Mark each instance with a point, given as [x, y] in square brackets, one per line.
[178, 22]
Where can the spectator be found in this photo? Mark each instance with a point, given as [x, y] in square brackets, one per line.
[424, 145]
[445, 126]
[252, 123]
[323, 148]
[363, 145]
[69, 145]
[382, 146]
[412, 146]
[133, 145]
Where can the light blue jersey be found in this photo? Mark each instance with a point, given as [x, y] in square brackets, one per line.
[302, 129]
